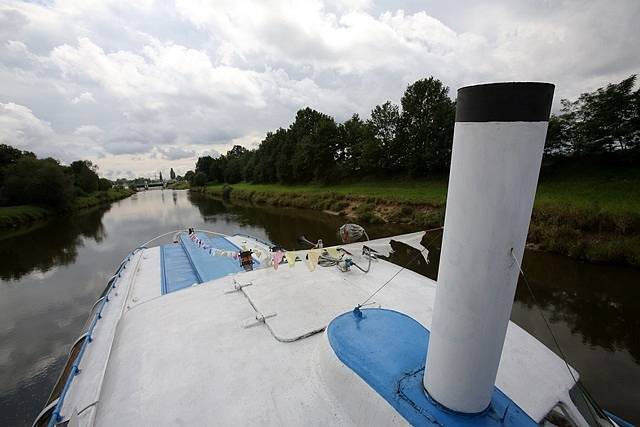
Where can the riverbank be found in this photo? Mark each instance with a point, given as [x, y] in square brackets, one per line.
[16, 216]
[180, 185]
[591, 216]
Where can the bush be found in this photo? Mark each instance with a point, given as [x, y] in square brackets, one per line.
[406, 210]
[199, 179]
[39, 182]
[429, 219]
[226, 192]
[340, 205]
[370, 218]
[365, 208]
[85, 176]
[104, 184]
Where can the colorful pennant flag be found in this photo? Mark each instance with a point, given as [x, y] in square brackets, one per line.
[291, 258]
[333, 252]
[312, 258]
[277, 258]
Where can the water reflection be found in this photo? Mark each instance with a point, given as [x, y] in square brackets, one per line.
[594, 313]
[47, 250]
[51, 275]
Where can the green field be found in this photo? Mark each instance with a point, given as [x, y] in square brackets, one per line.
[432, 191]
[609, 191]
[592, 215]
[606, 191]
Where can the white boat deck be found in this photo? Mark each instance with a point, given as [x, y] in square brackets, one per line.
[198, 356]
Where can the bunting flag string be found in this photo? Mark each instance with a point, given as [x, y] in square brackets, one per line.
[311, 257]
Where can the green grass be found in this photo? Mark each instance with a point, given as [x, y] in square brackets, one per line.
[410, 191]
[100, 198]
[609, 191]
[182, 185]
[13, 216]
[592, 215]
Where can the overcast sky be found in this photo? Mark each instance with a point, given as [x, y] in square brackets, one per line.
[139, 86]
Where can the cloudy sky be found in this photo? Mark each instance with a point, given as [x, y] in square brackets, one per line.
[141, 85]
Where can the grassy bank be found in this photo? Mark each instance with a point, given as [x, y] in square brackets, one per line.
[592, 216]
[182, 185]
[15, 216]
[101, 198]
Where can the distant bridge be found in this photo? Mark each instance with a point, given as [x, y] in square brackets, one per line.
[153, 184]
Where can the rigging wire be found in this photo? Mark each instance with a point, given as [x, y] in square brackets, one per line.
[544, 319]
[401, 269]
[579, 384]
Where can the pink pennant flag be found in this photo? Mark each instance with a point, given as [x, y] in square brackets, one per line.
[277, 257]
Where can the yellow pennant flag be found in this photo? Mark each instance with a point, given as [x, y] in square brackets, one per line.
[333, 252]
[291, 258]
[312, 259]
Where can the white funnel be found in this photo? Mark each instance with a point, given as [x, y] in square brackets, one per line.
[497, 149]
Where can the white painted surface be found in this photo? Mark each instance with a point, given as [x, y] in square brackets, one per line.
[302, 303]
[493, 178]
[185, 359]
[147, 283]
[85, 388]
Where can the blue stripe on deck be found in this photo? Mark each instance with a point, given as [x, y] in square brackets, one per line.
[218, 242]
[209, 267]
[186, 263]
[177, 271]
[387, 350]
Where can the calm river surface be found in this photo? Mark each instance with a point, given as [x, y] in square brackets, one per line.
[51, 274]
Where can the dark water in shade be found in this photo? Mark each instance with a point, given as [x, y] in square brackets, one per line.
[51, 274]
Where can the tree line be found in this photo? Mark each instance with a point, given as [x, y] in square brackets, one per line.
[25, 179]
[415, 138]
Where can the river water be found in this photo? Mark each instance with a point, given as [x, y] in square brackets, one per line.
[51, 274]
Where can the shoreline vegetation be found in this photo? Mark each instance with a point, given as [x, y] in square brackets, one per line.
[33, 189]
[17, 216]
[592, 215]
[394, 166]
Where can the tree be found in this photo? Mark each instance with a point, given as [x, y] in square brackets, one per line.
[199, 179]
[9, 156]
[84, 174]
[314, 140]
[604, 121]
[172, 174]
[354, 138]
[217, 168]
[235, 162]
[104, 184]
[427, 121]
[161, 176]
[383, 152]
[204, 165]
[556, 144]
[40, 182]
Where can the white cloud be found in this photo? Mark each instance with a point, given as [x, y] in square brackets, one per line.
[130, 83]
[20, 128]
[83, 97]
